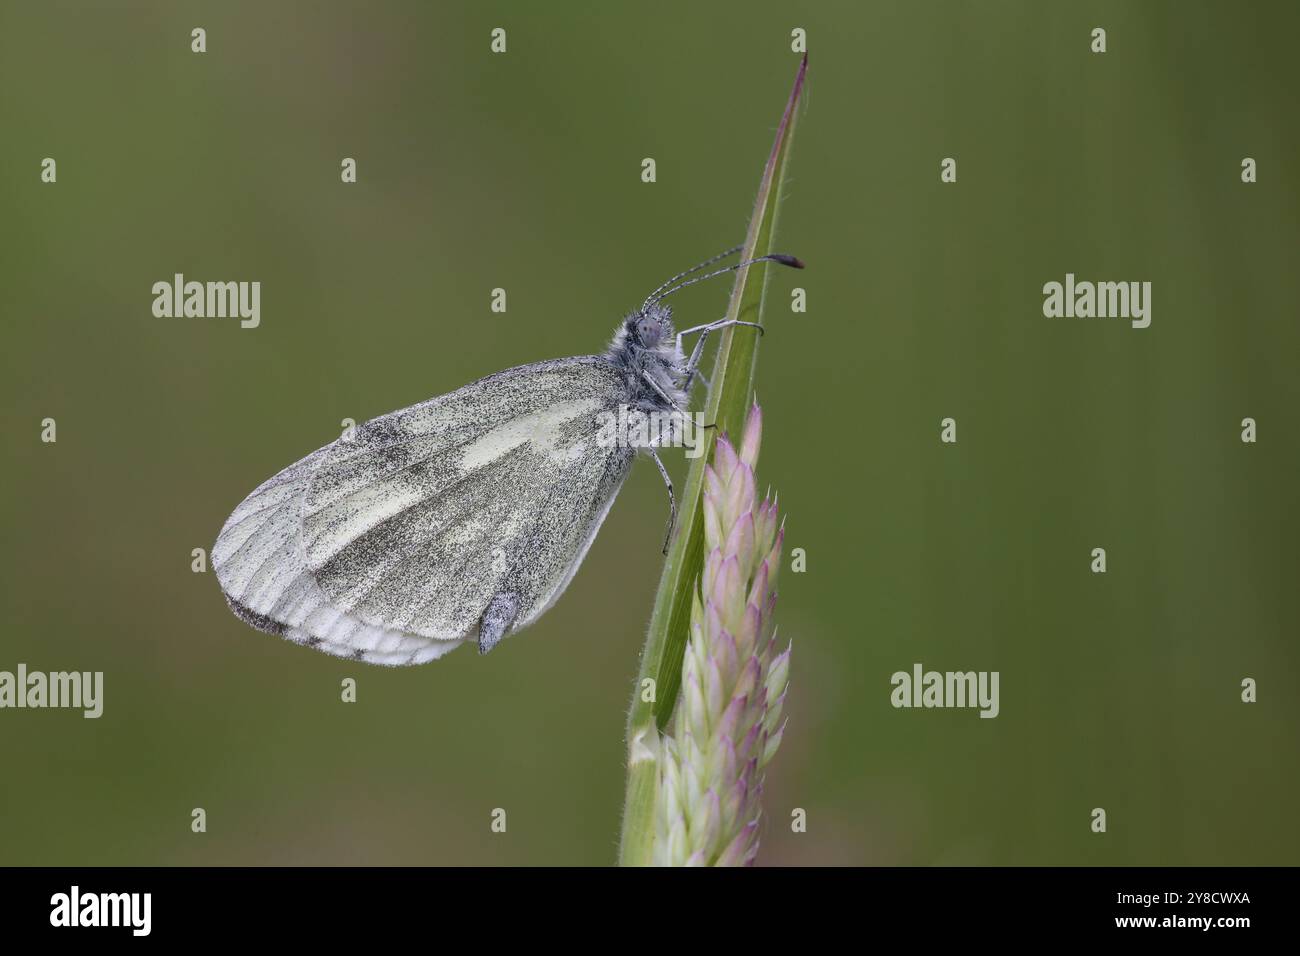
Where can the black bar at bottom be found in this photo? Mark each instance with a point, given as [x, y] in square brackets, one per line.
[335, 905]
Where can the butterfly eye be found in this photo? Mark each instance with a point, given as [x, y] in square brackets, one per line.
[648, 330]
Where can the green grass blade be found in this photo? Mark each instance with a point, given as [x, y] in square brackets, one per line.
[732, 384]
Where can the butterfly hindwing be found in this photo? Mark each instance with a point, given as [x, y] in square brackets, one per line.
[258, 560]
[497, 487]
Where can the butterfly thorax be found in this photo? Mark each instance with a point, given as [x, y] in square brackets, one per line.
[645, 350]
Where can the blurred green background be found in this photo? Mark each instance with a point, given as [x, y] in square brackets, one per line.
[523, 171]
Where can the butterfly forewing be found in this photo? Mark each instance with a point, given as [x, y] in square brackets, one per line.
[389, 546]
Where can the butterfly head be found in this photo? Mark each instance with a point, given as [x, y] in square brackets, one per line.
[651, 326]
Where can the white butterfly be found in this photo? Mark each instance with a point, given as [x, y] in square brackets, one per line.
[464, 515]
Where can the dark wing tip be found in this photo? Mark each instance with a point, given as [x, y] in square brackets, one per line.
[253, 619]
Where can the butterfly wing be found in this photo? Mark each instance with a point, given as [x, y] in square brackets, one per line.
[259, 562]
[395, 543]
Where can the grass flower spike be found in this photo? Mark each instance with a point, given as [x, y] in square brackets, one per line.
[727, 724]
[675, 759]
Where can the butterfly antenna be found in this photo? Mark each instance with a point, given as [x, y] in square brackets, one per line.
[783, 259]
[696, 268]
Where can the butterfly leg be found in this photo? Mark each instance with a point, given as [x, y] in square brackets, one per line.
[662, 394]
[676, 407]
[692, 364]
[498, 617]
[694, 360]
[672, 501]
